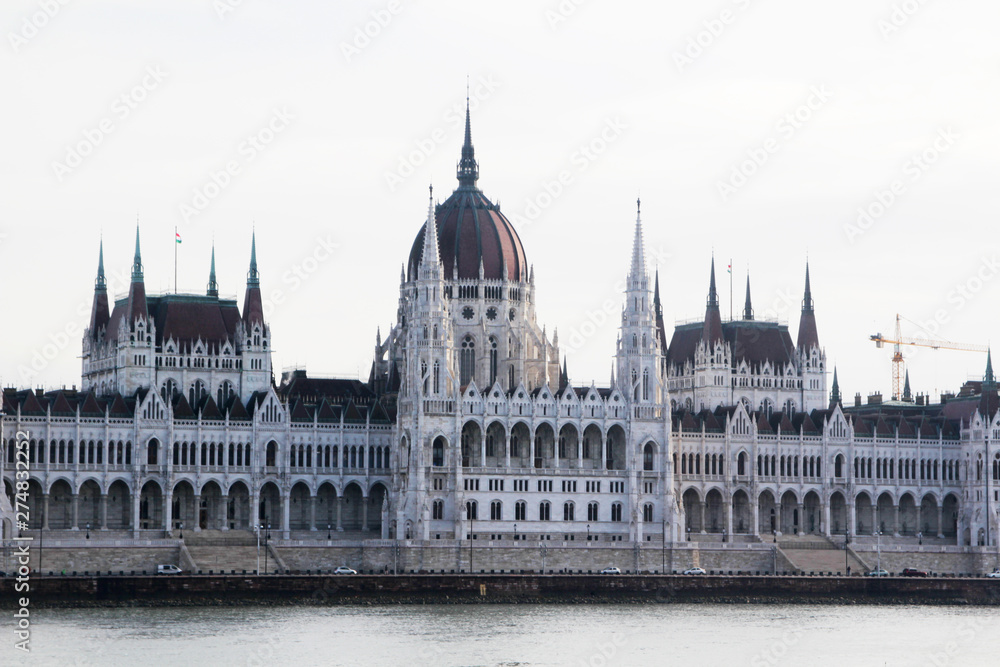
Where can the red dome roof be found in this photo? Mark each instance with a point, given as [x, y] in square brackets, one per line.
[471, 229]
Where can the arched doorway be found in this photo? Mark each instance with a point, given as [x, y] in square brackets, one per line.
[813, 519]
[269, 506]
[544, 446]
[907, 515]
[864, 514]
[592, 447]
[715, 519]
[790, 519]
[60, 505]
[151, 506]
[520, 446]
[89, 505]
[616, 448]
[352, 507]
[210, 510]
[472, 437]
[838, 513]
[238, 507]
[692, 511]
[326, 507]
[742, 518]
[299, 515]
[182, 513]
[767, 513]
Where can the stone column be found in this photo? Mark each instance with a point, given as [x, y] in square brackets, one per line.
[482, 449]
[312, 513]
[728, 522]
[168, 511]
[340, 507]
[224, 512]
[286, 508]
[920, 519]
[364, 514]
[506, 454]
[75, 512]
[104, 512]
[875, 526]
[895, 520]
[852, 519]
[136, 497]
[701, 506]
[197, 513]
[45, 511]
[802, 519]
[940, 527]
[825, 513]
[755, 514]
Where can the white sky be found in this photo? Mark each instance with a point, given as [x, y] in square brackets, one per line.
[556, 81]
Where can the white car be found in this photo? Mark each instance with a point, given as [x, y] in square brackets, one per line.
[344, 570]
[611, 570]
[995, 574]
[876, 573]
[168, 569]
[695, 570]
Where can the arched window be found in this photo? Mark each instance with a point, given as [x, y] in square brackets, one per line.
[438, 510]
[568, 511]
[472, 509]
[544, 511]
[496, 511]
[467, 361]
[647, 456]
[520, 510]
[592, 511]
[423, 375]
[437, 377]
[616, 511]
[271, 454]
[647, 513]
[438, 452]
[151, 451]
[741, 464]
[645, 385]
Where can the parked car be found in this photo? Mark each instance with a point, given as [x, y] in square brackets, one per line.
[611, 570]
[995, 574]
[695, 570]
[168, 569]
[913, 572]
[876, 573]
[344, 570]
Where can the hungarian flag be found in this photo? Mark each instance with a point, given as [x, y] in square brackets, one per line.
[729, 269]
[178, 234]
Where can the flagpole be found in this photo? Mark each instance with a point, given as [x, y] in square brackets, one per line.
[175, 264]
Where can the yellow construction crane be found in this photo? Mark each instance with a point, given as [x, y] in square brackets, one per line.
[897, 354]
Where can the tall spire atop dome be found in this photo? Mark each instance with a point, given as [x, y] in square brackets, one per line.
[468, 168]
[807, 299]
[213, 286]
[102, 282]
[748, 308]
[808, 336]
[253, 277]
[137, 260]
[713, 295]
[712, 330]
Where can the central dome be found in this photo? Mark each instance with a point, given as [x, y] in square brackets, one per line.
[472, 230]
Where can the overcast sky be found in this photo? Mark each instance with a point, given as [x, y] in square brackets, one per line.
[758, 129]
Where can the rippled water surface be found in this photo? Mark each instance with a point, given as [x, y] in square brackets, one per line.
[509, 635]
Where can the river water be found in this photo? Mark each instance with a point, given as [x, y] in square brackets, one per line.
[595, 635]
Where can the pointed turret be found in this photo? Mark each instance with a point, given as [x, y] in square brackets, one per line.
[989, 402]
[907, 395]
[835, 398]
[213, 286]
[99, 312]
[808, 337]
[661, 331]
[253, 308]
[712, 330]
[468, 168]
[748, 308]
[137, 290]
[430, 261]
[563, 377]
[638, 270]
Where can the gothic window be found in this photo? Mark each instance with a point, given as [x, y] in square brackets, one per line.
[468, 312]
[520, 510]
[151, 451]
[512, 314]
[491, 313]
[271, 456]
[544, 511]
[438, 452]
[635, 384]
[496, 510]
[423, 374]
[647, 456]
[616, 512]
[635, 341]
[645, 385]
[592, 512]
[510, 378]
[472, 508]
[647, 513]
[467, 361]
[568, 511]
[438, 509]
[437, 377]
[493, 360]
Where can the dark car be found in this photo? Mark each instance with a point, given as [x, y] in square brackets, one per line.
[913, 572]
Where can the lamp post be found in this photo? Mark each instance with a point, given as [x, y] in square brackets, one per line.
[256, 532]
[88, 530]
[878, 550]
[180, 531]
[515, 532]
[329, 535]
[267, 536]
[847, 541]
[588, 532]
[663, 551]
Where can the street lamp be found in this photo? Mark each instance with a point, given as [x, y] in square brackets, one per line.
[878, 548]
[847, 541]
[181, 531]
[328, 534]
[88, 531]
[267, 536]
[588, 532]
[515, 532]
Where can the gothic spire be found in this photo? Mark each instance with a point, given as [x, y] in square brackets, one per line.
[137, 290]
[989, 381]
[713, 296]
[468, 168]
[907, 395]
[99, 312]
[253, 276]
[712, 330]
[835, 393]
[638, 271]
[748, 308]
[213, 286]
[808, 336]
[430, 260]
